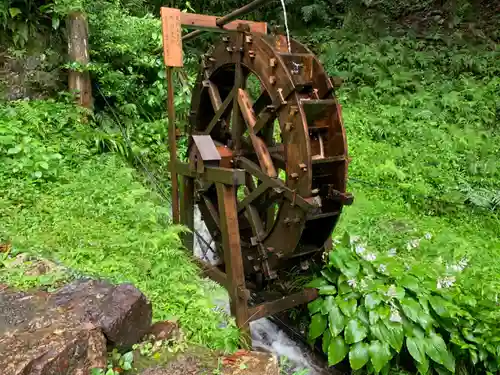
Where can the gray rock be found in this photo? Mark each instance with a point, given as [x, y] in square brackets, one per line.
[64, 333]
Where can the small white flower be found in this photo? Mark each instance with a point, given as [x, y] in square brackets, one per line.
[460, 266]
[446, 282]
[391, 292]
[395, 316]
[382, 268]
[352, 283]
[392, 252]
[427, 236]
[413, 244]
[360, 249]
[370, 257]
[354, 239]
[363, 284]
[336, 241]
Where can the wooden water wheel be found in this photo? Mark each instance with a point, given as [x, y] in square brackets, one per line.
[273, 113]
[267, 162]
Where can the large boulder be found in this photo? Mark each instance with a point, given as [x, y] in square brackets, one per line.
[66, 332]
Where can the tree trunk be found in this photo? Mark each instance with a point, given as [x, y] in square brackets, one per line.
[78, 50]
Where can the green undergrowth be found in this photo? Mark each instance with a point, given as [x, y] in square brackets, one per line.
[421, 116]
[91, 212]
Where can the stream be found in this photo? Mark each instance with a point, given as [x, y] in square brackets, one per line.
[295, 357]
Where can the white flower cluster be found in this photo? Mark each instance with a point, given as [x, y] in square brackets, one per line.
[413, 244]
[446, 282]
[459, 267]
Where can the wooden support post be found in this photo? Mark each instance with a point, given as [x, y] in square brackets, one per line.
[172, 146]
[78, 51]
[235, 272]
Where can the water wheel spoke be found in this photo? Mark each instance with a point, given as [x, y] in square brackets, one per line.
[222, 110]
[259, 146]
[256, 193]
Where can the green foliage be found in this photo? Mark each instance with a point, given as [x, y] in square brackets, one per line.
[386, 305]
[24, 127]
[421, 118]
[93, 215]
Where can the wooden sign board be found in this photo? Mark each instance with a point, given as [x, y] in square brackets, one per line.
[172, 21]
[172, 34]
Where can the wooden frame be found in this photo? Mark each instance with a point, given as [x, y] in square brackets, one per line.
[173, 20]
[225, 179]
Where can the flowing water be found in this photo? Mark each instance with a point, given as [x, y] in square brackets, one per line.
[295, 357]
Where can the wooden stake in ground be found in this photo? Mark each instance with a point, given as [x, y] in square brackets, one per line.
[78, 50]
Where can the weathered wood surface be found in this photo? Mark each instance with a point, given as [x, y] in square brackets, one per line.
[78, 50]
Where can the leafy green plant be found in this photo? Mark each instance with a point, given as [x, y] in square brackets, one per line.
[373, 305]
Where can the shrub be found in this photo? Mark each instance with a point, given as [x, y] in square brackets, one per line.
[375, 305]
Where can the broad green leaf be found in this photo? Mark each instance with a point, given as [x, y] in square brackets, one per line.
[317, 326]
[329, 275]
[380, 331]
[14, 12]
[355, 331]
[346, 240]
[380, 354]
[436, 349]
[327, 337]
[317, 283]
[348, 306]
[440, 306]
[351, 268]
[337, 350]
[372, 300]
[14, 150]
[373, 317]
[336, 320]
[412, 309]
[410, 282]
[44, 165]
[416, 348]
[423, 368]
[358, 355]
[328, 305]
[315, 306]
[362, 316]
[328, 290]
[395, 335]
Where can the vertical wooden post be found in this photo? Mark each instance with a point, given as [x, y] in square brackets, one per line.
[172, 146]
[78, 50]
[226, 196]
[172, 53]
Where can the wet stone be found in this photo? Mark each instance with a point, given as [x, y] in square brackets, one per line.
[66, 332]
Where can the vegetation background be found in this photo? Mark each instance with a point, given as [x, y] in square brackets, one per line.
[415, 285]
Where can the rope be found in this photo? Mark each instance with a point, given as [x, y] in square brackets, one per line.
[286, 26]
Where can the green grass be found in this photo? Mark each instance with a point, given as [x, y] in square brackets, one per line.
[91, 212]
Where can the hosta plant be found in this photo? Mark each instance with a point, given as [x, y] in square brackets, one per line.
[373, 306]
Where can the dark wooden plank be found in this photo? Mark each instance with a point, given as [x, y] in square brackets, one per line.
[226, 176]
[285, 303]
[220, 112]
[232, 254]
[254, 170]
[265, 160]
[254, 194]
